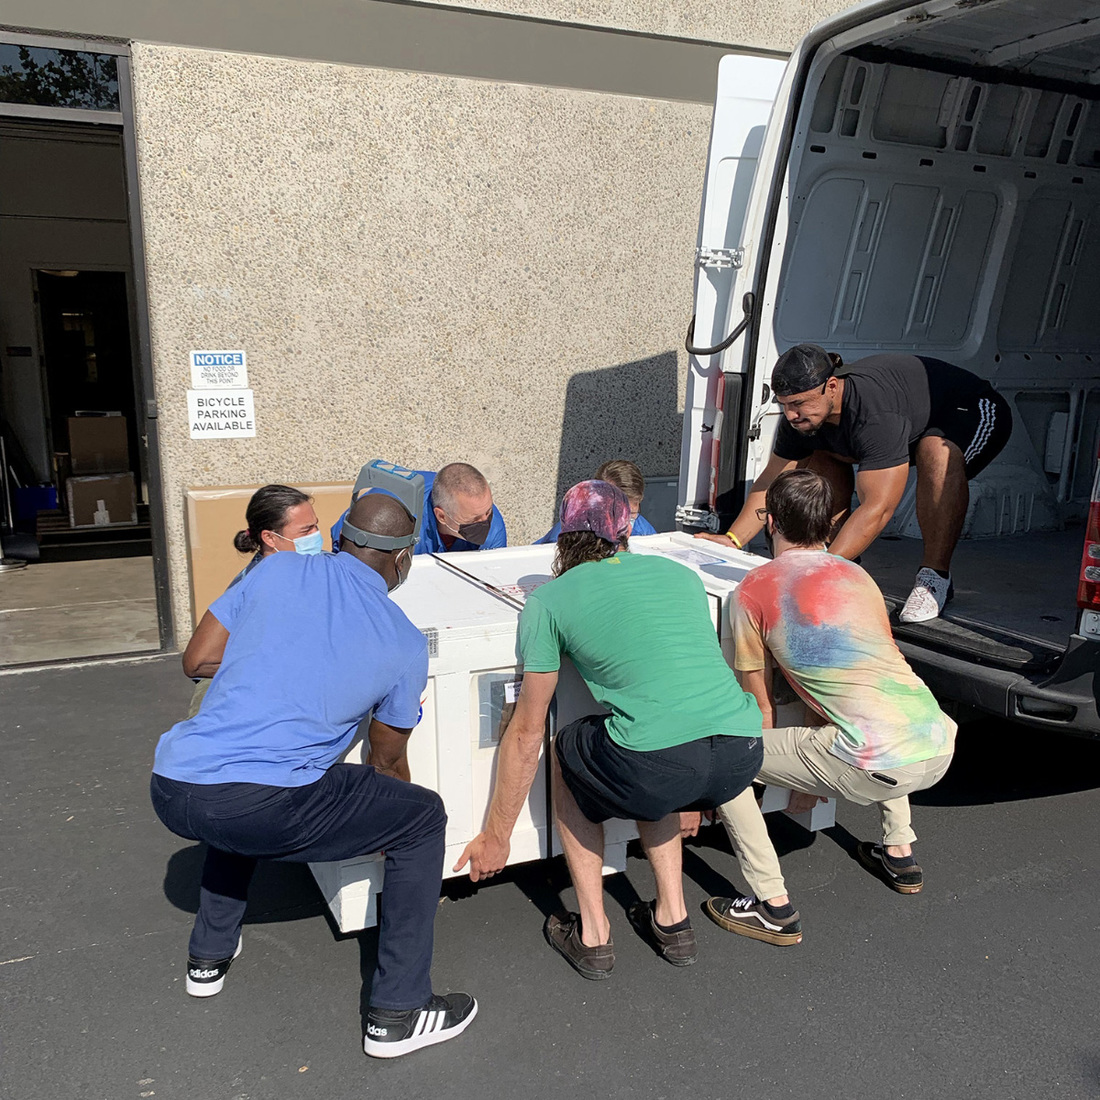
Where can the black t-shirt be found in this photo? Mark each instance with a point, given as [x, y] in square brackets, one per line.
[890, 401]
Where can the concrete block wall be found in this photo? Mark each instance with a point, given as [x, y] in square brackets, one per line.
[419, 266]
[752, 24]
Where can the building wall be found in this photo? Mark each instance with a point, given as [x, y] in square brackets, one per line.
[753, 24]
[420, 267]
[444, 231]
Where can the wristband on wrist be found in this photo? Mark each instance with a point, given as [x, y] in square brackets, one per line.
[734, 539]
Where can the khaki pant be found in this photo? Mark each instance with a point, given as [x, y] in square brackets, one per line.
[799, 758]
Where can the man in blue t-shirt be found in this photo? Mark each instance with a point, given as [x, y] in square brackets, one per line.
[301, 652]
[459, 513]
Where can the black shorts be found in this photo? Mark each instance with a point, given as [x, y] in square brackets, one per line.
[979, 426]
[610, 781]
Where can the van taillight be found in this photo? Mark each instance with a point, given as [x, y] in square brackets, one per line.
[1088, 585]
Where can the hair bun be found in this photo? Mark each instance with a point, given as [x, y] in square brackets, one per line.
[245, 543]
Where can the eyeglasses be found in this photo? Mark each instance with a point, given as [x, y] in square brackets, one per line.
[762, 514]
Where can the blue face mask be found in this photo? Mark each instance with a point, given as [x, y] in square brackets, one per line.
[305, 544]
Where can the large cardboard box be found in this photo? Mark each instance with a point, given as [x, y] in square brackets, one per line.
[98, 445]
[216, 513]
[107, 500]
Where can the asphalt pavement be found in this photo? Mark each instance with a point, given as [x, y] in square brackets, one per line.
[983, 985]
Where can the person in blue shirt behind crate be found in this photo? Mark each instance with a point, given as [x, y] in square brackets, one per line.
[459, 513]
[625, 475]
[279, 518]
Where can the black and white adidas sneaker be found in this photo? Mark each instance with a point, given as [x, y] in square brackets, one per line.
[205, 977]
[392, 1032]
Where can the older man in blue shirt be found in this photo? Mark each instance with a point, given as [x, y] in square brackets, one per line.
[459, 513]
[301, 652]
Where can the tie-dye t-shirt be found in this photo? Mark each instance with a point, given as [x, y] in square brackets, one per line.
[824, 621]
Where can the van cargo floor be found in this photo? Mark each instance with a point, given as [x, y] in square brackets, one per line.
[1022, 583]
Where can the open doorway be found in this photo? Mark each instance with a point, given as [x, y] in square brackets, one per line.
[76, 492]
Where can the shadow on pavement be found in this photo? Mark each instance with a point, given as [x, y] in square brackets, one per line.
[998, 761]
[279, 891]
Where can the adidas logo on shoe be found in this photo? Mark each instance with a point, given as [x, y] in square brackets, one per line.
[393, 1032]
[205, 977]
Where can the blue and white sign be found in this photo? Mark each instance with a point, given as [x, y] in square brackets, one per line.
[218, 370]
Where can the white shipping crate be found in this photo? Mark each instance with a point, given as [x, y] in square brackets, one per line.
[473, 677]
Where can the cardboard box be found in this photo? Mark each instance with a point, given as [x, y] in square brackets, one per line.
[107, 500]
[215, 514]
[98, 445]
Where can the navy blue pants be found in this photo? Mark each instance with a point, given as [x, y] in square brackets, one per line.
[351, 811]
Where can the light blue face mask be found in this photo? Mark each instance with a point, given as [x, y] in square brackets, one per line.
[305, 544]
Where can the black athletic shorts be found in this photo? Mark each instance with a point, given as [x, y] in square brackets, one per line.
[978, 425]
[610, 781]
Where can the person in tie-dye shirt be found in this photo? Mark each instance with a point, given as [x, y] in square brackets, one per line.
[881, 735]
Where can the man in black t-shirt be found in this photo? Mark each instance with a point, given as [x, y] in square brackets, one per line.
[882, 415]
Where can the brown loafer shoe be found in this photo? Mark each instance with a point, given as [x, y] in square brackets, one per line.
[564, 936]
[678, 948]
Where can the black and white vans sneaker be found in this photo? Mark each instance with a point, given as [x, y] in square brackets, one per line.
[903, 876]
[748, 916]
[392, 1032]
[205, 977]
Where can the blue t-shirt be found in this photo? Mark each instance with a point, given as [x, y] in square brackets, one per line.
[431, 541]
[315, 644]
[642, 526]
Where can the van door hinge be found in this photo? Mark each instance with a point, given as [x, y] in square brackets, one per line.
[690, 516]
[720, 258]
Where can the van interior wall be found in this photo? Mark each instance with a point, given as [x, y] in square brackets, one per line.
[62, 207]
[959, 217]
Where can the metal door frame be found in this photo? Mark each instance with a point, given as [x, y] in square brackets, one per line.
[145, 387]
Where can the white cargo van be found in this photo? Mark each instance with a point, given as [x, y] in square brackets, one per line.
[926, 178]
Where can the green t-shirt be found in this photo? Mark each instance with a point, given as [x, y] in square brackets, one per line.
[638, 629]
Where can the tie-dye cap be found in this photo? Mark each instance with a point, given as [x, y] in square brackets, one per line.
[596, 506]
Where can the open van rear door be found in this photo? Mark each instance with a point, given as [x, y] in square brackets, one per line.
[716, 382]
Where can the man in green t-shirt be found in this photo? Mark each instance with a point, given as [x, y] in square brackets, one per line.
[679, 733]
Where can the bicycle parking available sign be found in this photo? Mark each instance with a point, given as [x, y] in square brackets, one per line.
[219, 404]
[221, 414]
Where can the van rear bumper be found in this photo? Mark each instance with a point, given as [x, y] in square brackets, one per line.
[1065, 700]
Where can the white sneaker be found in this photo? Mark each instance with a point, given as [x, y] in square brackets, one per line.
[928, 597]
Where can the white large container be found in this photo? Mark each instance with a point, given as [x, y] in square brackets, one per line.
[473, 678]
[468, 607]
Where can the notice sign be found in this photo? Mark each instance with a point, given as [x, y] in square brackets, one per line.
[218, 370]
[221, 414]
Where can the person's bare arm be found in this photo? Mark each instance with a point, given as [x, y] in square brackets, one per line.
[203, 655]
[746, 526]
[880, 493]
[517, 763]
[758, 683]
[389, 750]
